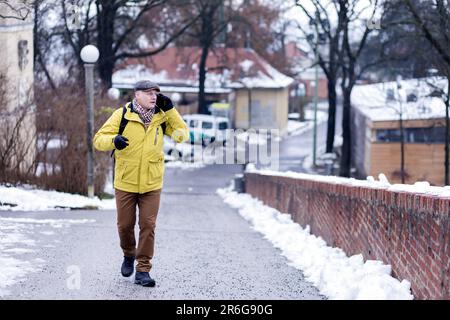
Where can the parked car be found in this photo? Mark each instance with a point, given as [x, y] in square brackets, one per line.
[206, 129]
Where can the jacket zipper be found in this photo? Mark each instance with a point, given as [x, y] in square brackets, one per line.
[156, 136]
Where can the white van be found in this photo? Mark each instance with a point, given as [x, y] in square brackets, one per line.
[205, 129]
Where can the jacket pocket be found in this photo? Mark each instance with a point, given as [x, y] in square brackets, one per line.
[155, 170]
[130, 173]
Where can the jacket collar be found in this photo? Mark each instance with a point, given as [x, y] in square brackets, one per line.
[132, 109]
[133, 115]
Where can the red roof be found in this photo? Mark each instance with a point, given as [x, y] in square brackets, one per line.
[179, 66]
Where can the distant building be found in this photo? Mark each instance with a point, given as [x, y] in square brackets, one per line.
[16, 67]
[304, 73]
[257, 93]
[376, 130]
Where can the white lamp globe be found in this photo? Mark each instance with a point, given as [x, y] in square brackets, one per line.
[113, 93]
[176, 97]
[89, 54]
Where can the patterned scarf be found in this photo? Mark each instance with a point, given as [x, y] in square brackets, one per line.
[146, 115]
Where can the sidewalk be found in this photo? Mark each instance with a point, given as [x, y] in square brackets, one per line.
[204, 250]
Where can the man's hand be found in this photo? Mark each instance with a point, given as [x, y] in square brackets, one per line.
[164, 102]
[120, 142]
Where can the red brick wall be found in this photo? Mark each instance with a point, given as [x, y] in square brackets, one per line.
[408, 231]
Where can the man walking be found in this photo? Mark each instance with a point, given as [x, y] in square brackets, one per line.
[135, 133]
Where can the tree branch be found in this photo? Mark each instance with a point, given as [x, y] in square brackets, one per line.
[428, 35]
[153, 52]
[19, 13]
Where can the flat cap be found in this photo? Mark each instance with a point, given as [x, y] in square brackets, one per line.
[146, 85]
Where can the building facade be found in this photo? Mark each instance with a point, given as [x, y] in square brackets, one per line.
[376, 145]
[17, 78]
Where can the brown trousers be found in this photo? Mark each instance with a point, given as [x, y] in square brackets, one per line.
[148, 204]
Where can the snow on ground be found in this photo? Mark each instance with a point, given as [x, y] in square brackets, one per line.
[29, 199]
[296, 127]
[329, 269]
[17, 239]
[184, 165]
[422, 187]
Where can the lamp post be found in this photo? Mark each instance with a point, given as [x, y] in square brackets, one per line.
[249, 88]
[90, 54]
[318, 38]
[402, 134]
[316, 96]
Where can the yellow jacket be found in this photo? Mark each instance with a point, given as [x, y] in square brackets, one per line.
[140, 166]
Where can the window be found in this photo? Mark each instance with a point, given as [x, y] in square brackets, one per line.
[388, 135]
[416, 135]
[207, 125]
[413, 135]
[390, 95]
[412, 97]
[438, 134]
[193, 123]
[223, 125]
[425, 135]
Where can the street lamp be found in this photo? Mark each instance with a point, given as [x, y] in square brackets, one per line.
[90, 54]
[176, 97]
[114, 93]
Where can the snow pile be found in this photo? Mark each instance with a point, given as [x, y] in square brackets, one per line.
[29, 199]
[16, 243]
[329, 269]
[420, 187]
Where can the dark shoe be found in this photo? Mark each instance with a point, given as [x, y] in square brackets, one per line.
[127, 266]
[144, 279]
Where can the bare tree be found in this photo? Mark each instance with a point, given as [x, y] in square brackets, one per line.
[261, 27]
[43, 46]
[352, 47]
[117, 27]
[340, 26]
[329, 37]
[16, 139]
[253, 26]
[19, 10]
[432, 19]
[214, 16]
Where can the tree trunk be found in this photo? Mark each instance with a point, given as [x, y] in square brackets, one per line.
[402, 149]
[106, 71]
[345, 165]
[332, 97]
[105, 41]
[447, 106]
[201, 80]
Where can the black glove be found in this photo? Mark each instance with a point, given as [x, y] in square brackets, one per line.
[120, 142]
[164, 102]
